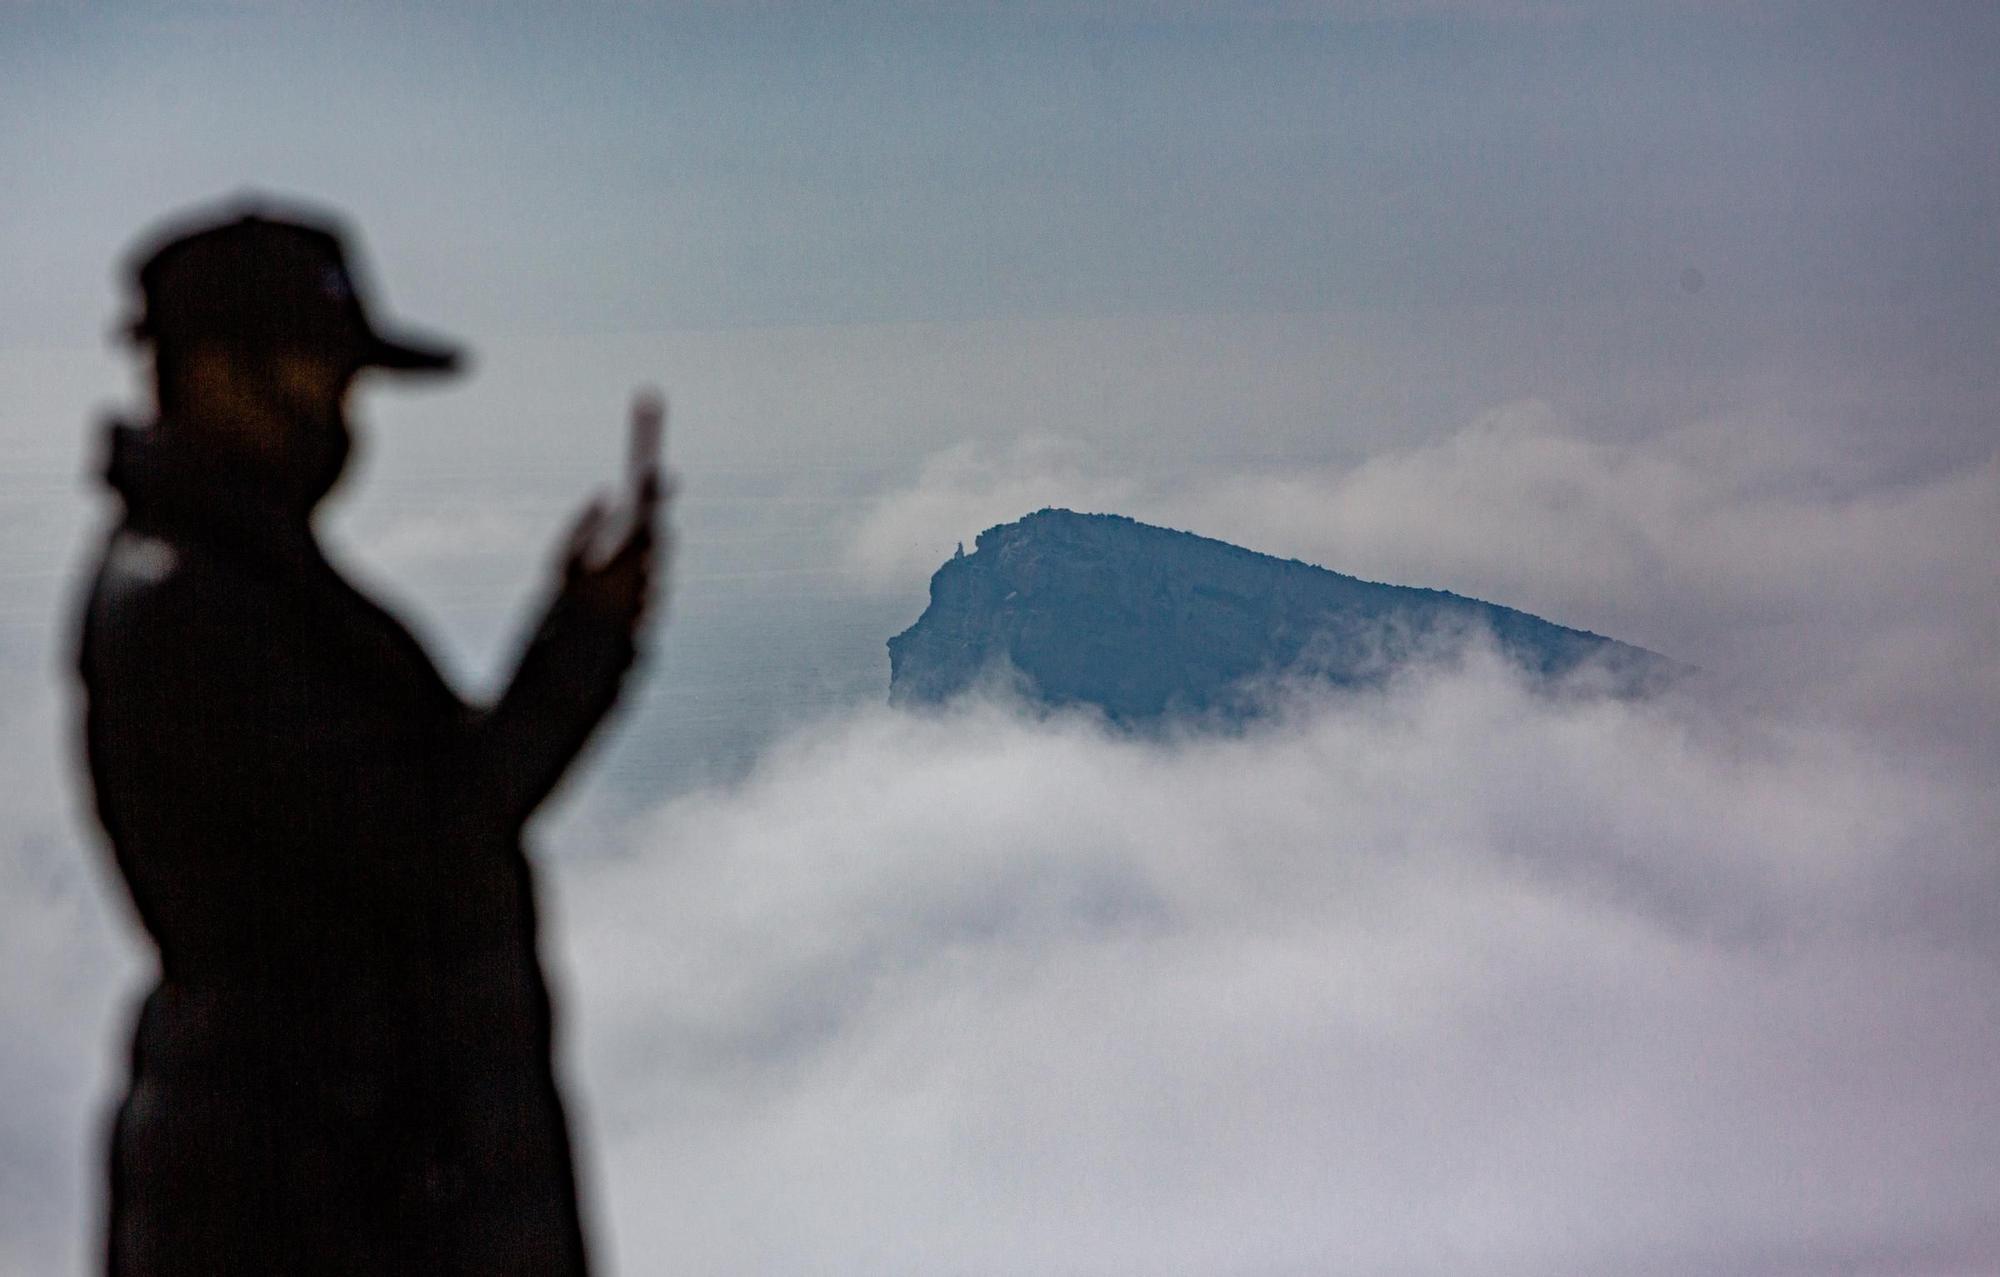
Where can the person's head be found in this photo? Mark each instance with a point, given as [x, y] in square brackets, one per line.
[257, 331]
[279, 412]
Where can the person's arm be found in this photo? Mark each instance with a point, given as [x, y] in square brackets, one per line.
[569, 674]
[567, 679]
[217, 707]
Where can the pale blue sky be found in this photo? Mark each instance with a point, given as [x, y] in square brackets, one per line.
[590, 168]
[1509, 200]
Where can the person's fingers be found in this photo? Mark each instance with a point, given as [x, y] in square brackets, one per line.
[653, 491]
[582, 535]
[649, 421]
[633, 560]
[640, 537]
[640, 533]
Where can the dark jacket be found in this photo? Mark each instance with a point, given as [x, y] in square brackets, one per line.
[345, 1066]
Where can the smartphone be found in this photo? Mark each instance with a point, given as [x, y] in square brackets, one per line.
[649, 440]
[642, 464]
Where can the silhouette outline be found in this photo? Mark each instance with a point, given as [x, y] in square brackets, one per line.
[345, 1065]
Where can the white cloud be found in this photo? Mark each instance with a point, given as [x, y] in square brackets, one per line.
[64, 974]
[1450, 977]
[906, 533]
[1764, 565]
[1517, 501]
[1445, 977]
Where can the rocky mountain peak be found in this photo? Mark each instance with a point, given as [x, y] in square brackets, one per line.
[1146, 622]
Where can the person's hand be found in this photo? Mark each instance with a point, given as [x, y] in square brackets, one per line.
[615, 581]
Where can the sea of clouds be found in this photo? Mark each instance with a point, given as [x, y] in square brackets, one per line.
[1447, 976]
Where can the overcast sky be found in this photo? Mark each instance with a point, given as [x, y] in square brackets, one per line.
[1672, 321]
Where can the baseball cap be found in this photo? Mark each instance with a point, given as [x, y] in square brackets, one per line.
[265, 280]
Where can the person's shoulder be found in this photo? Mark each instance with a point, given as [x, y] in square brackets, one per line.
[161, 594]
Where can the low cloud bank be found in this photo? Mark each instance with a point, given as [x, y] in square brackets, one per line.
[1442, 978]
[64, 971]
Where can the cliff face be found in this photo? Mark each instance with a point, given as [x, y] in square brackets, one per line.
[1145, 622]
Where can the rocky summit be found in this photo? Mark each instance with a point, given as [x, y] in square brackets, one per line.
[1148, 623]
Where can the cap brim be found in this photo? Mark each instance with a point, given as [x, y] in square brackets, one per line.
[407, 354]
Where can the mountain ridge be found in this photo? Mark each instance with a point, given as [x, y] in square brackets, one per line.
[1148, 623]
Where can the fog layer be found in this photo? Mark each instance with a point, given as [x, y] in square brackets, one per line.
[1444, 978]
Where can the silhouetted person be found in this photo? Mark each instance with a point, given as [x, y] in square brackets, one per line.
[345, 1065]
